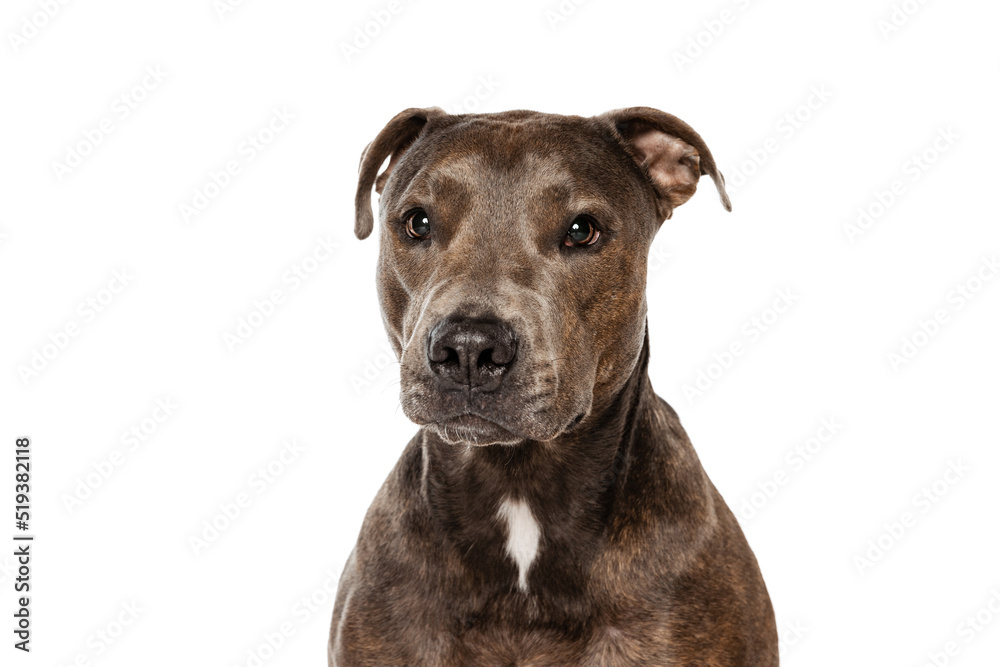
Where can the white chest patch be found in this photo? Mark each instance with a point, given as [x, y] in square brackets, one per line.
[523, 534]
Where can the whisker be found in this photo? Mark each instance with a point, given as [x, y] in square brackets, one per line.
[391, 384]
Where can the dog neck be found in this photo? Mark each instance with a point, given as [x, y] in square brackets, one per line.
[539, 508]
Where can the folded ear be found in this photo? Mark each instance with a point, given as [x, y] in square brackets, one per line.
[669, 152]
[392, 142]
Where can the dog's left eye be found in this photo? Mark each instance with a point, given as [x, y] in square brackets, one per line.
[582, 231]
[418, 225]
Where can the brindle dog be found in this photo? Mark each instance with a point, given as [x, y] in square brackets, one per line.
[551, 509]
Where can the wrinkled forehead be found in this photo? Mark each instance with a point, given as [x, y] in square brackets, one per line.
[490, 163]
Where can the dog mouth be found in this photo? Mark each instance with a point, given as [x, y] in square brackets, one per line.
[473, 429]
[526, 409]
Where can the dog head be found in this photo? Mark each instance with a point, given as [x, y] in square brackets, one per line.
[512, 267]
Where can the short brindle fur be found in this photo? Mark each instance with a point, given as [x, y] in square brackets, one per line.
[511, 278]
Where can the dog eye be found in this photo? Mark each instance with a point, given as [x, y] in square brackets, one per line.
[418, 225]
[582, 231]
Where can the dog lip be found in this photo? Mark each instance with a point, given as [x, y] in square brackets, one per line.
[470, 420]
[475, 429]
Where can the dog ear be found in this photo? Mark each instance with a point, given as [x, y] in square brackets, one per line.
[669, 152]
[392, 142]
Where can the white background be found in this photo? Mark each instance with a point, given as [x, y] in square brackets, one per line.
[316, 371]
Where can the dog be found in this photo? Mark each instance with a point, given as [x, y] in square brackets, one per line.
[550, 510]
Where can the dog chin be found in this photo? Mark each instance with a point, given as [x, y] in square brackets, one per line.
[469, 429]
[458, 424]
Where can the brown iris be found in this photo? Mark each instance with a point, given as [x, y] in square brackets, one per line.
[418, 225]
[582, 232]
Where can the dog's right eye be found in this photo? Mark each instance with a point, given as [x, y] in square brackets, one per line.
[582, 232]
[418, 225]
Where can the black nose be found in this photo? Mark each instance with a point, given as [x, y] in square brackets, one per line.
[471, 353]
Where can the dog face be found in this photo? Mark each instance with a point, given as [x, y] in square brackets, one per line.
[512, 265]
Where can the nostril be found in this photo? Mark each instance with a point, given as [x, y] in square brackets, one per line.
[494, 358]
[444, 355]
[488, 360]
[503, 353]
[503, 357]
